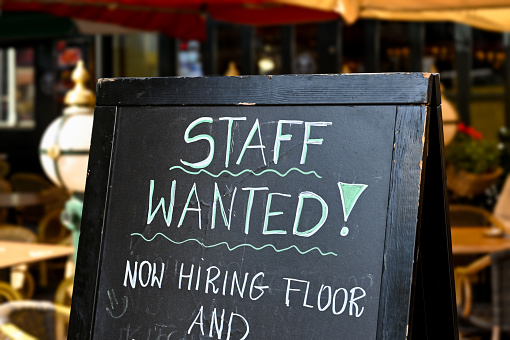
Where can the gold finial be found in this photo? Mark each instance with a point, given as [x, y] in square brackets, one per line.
[80, 95]
[232, 69]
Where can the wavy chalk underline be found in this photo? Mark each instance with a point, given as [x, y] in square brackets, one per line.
[235, 247]
[246, 170]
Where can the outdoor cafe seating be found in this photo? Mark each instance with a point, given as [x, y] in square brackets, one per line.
[28, 320]
[481, 258]
[475, 312]
[36, 260]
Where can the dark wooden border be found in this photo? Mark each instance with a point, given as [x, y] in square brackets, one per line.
[89, 254]
[349, 89]
[402, 222]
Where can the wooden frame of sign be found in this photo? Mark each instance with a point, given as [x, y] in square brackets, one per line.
[278, 207]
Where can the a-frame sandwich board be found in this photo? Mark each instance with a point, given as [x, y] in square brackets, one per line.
[266, 207]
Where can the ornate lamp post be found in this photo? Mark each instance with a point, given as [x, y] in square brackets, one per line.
[65, 145]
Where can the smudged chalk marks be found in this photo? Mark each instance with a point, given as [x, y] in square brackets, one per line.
[114, 303]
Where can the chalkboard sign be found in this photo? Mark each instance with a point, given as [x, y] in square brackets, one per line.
[279, 207]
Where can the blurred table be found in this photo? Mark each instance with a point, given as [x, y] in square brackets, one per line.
[20, 199]
[14, 201]
[16, 253]
[471, 240]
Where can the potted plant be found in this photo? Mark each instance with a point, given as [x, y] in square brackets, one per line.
[473, 164]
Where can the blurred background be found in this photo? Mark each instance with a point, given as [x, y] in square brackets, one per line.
[41, 42]
[52, 53]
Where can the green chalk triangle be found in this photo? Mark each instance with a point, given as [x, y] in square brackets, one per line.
[350, 194]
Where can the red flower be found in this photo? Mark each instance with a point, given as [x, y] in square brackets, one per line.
[468, 130]
[476, 135]
[473, 133]
[462, 127]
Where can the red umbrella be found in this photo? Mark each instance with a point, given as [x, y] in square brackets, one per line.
[184, 19]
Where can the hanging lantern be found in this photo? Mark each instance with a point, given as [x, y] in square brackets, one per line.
[450, 120]
[65, 144]
[449, 114]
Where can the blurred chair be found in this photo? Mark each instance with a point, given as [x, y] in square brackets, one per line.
[64, 292]
[63, 297]
[32, 320]
[493, 315]
[5, 187]
[471, 216]
[7, 293]
[51, 230]
[11, 232]
[20, 279]
[54, 197]
[5, 167]
[29, 182]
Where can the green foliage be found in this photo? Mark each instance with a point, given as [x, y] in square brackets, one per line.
[468, 151]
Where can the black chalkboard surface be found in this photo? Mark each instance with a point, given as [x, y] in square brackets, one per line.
[280, 207]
